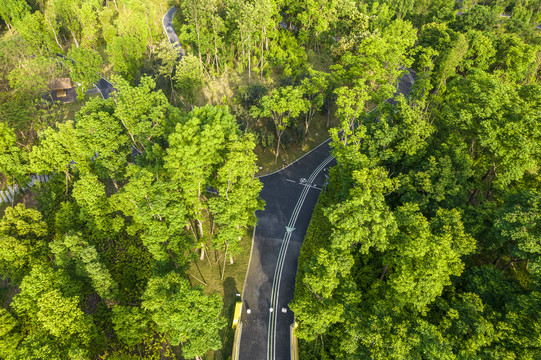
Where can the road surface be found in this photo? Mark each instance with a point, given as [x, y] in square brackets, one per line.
[290, 195]
[167, 23]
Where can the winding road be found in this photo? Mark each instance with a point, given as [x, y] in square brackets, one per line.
[167, 23]
[290, 195]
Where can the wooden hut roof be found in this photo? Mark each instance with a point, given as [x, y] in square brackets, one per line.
[60, 84]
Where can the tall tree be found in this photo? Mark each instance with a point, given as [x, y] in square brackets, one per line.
[141, 111]
[49, 303]
[314, 88]
[22, 245]
[72, 247]
[425, 254]
[188, 78]
[196, 150]
[58, 151]
[103, 138]
[283, 105]
[184, 314]
[13, 159]
[10, 335]
[235, 206]
[12, 11]
[517, 228]
[84, 68]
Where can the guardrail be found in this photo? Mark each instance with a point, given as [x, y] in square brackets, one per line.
[238, 312]
[236, 342]
[294, 342]
[237, 325]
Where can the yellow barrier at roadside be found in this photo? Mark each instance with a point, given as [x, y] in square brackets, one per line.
[238, 312]
[294, 342]
[237, 325]
[236, 342]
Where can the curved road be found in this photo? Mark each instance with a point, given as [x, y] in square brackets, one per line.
[290, 196]
[167, 23]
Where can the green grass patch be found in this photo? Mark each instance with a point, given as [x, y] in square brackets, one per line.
[318, 133]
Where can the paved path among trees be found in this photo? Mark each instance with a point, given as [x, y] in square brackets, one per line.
[167, 23]
[291, 195]
[104, 87]
[8, 195]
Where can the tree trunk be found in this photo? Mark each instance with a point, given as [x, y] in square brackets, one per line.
[512, 262]
[215, 49]
[198, 43]
[249, 62]
[115, 184]
[67, 178]
[328, 115]
[172, 258]
[305, 127]
[204, 283]
[384, 272]
[278, 146]
[172, 89]
[131, 136]
[191, 226]
[225, 260]
[243, 45]
[307, 121]
[262, 59]
[200, 226]
[74, 38]
[149, 32]
[54, 32]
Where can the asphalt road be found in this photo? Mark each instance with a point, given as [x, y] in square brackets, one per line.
[284, 207]
[290, 196]
[104, 87]
[167, 23]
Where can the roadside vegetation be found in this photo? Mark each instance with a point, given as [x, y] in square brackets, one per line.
[424, 245]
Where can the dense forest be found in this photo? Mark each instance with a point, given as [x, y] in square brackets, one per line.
[424, 245]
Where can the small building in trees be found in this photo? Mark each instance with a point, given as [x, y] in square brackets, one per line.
[63, 90]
